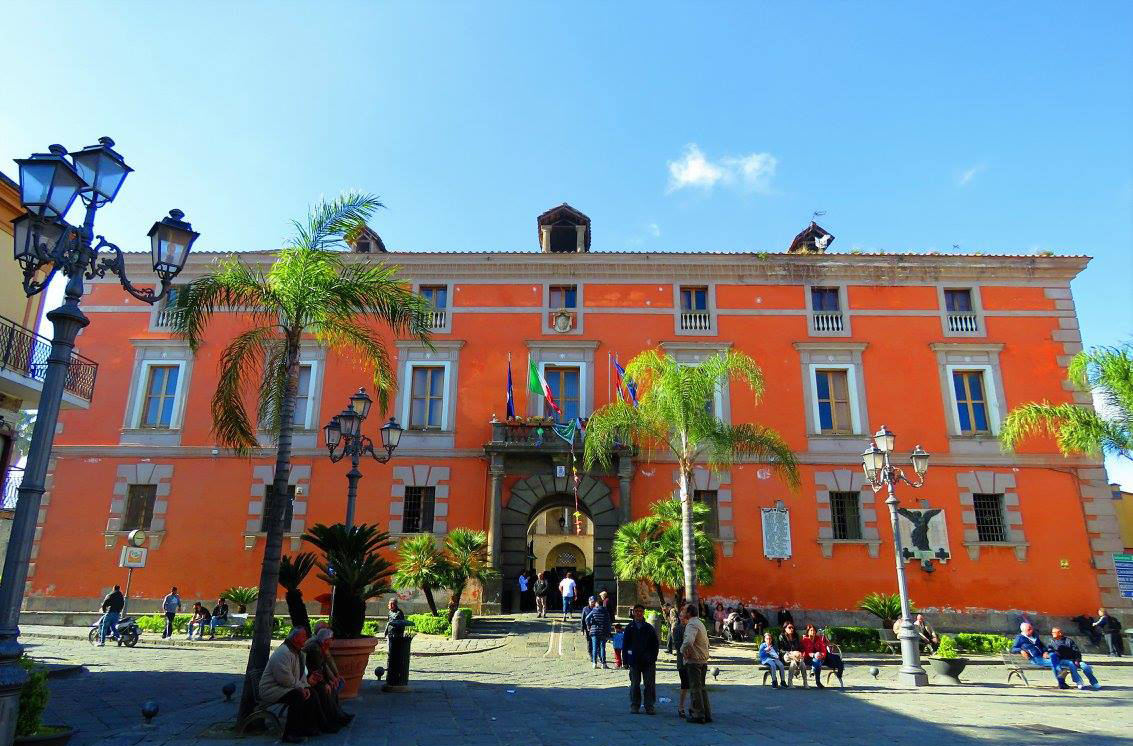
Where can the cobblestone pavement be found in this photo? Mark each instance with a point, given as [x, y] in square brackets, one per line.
[535, 686]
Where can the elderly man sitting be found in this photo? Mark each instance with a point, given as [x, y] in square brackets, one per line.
[1037, 652]
[282, 681]
[322, 675]
[1070, 658]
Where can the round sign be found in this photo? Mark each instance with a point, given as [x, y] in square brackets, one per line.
[137, 537]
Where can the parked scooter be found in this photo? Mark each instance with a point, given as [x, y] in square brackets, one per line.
[126, 629]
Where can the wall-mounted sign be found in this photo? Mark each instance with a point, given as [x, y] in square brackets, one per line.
[776, 531]
[133, 557]
[560, 471]
[1123, 564]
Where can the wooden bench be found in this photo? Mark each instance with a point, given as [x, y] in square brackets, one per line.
[271, 715]
[1017, 665]
[234, 624]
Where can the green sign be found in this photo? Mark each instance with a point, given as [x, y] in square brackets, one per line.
[1123, 564]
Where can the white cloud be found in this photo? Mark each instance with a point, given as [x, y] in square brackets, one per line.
[694, 169]
[965, 177]
[654, 230]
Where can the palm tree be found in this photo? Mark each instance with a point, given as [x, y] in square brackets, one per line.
[464, 558]
[1107, 372]
[650, 549]
[292, 572]
[675, 415]
[308, 290]
[419, 565]
[353, 564]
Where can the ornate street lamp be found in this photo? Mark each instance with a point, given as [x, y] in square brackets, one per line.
[882, 474]
[49, 185]
[344, 438]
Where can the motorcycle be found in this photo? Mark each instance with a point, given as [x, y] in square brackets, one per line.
[126, 629]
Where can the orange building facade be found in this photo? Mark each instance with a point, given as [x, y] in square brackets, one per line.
[936, 347]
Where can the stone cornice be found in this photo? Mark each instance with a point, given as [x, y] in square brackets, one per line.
[743, 268]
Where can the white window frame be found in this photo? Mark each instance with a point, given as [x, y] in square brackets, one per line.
[175, 419]
[990, 394]
[852, 387]
[583, 400]
[408, 398]
[309, 414]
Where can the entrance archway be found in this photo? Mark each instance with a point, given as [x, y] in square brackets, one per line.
[536, 493]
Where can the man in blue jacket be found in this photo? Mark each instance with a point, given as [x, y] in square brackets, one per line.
[639, 650]
[1032, 647]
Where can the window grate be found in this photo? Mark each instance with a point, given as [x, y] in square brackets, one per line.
[140, 499]
[845, 515]
[417, 510]
[709, 498]
[990, 525]
[288, 508]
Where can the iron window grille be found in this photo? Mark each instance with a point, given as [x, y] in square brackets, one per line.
[845, 515]
[417, 511]
[990, 524]
[140, 499]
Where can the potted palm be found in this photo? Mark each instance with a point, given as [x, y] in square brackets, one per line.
[355, 569]
[947, 663]
[887, 608]
[241, 596]
[292, 572]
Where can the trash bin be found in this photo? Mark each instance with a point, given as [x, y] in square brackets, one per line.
[397, 661]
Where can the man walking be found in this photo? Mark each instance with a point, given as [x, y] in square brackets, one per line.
[541, 589]
[567, 587]
[111, 609]
[171, 605]
[1110, 628]
[639, 650]
[694, 650]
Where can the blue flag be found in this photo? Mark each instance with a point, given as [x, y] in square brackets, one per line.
[631, 388]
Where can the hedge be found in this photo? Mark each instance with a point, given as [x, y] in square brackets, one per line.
[427, 624]
[855, 639]
[968, 642]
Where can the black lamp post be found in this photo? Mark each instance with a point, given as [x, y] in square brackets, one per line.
[881, 474]
[49, 185]
[344, 438]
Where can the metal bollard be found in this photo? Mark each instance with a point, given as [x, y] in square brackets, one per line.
[397, 662]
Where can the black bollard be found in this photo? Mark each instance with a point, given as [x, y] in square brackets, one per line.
[397, 660]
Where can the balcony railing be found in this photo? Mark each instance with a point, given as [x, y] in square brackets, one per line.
[525, 435]
[12, 479]
[25, 352]
[438, 318]
[162, 319]
[827, 321]
[696, 321]
[965, 321]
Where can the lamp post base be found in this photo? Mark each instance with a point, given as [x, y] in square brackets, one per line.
[912, 678]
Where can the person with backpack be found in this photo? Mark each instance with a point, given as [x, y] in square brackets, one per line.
[541, 589]
[1110, 628]
[598, 624]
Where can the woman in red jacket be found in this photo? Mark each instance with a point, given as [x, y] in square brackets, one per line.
[817, 653]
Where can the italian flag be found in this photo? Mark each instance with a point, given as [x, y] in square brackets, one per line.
[538, 385]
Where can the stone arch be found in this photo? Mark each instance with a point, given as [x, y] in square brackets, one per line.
[538, 492]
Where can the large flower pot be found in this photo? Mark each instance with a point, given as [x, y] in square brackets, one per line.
[58, 737]
[948, 669]
[351, 656]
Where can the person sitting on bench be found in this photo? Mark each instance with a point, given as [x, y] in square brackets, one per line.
[1070, 658]
[219, 616]
[1038, 653]
[201, 619]
[283, 681]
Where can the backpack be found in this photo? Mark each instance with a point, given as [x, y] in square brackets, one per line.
[540, 587]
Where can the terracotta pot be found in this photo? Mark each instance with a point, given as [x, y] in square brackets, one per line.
[49, 739]
[352, 656]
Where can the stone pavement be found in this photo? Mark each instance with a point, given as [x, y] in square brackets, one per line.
[534, 686]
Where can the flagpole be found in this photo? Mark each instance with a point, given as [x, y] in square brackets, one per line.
[609, 377]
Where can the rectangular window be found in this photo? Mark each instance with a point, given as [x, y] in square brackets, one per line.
[694, 299]
[971, 402]
[427, 398]
[832, 390]
[712, 522]
[824, 300]
[845, 515]
[417, 513]
[302, 397]
[562, 296]
[140, 499]
[288, 508]
[161, 391]
[990, 525]
[436, 295]
[958, 301]
[566, 390]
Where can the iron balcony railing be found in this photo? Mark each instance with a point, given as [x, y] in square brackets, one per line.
[12, 479]
[25, 352]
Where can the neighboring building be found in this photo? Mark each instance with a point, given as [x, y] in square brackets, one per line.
[1123, 506]
[23, 357]
[937, 347]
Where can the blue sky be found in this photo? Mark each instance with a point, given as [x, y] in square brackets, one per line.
[996, 127]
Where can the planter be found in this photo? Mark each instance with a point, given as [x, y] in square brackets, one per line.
[948, 669]
[352, 656]
[55, 738]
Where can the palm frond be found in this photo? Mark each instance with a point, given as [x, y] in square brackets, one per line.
[345, 333]
[1075, 429]
[725, 444]
[240, 362]
[233, 285]
[329, 221]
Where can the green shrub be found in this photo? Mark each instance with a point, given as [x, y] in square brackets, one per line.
[33, 698]
[427, 624]
[885, 606]
[854, 639]
[373, 628]
[973, 642]
[947, 648]
[156, 623]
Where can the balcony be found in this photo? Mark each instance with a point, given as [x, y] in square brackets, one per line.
[963, 321]
[532, 437]
[162, 319]
[23, 366]
[12, 479]
[438, 319]
[696, 321]
[827, 321]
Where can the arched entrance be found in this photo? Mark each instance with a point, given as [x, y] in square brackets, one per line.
[535, 494]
